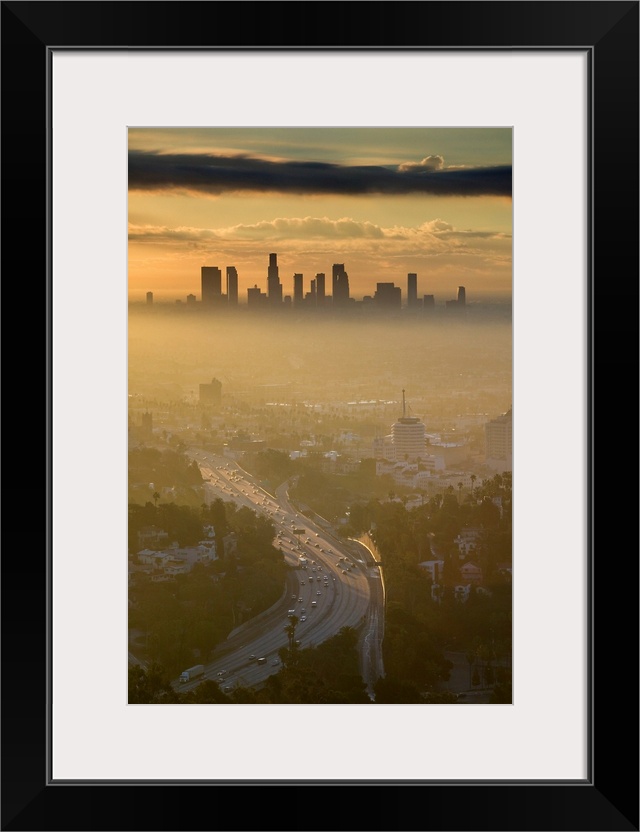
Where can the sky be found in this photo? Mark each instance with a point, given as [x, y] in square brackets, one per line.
[382, 201]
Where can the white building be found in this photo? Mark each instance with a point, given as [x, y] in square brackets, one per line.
[499, 443]
[407, 441]
[408, 438]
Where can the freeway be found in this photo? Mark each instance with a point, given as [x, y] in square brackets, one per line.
[329, 584]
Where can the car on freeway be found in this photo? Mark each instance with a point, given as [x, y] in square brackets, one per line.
[299, 600]
[318, 592]
[303, 618]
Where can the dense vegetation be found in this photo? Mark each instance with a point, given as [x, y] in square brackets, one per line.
[181, 621]
[185, 618]
[166, 474]
[324, 674]
[423, 622]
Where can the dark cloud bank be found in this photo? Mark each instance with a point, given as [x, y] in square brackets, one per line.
[150, 171]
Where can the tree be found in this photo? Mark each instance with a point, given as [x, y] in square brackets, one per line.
[291, 632]
[149, 686]
[156, 497]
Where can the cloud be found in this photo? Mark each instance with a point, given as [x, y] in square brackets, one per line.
[166, 234]
[215, 174]
[428, 163]
[304, 228]
[321, 234]
[436, 226]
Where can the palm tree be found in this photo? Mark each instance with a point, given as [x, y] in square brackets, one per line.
[291, 631]
[156, 497]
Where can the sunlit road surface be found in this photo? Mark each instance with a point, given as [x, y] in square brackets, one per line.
[371, 664]
[342, 598]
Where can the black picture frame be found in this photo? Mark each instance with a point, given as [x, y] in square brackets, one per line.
[608, 799]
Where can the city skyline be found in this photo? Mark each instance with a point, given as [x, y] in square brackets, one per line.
[384, 202]
[309, 292]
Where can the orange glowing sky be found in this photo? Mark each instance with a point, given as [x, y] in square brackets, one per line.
[383, 201]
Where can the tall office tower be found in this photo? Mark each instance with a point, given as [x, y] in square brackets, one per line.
[274, 287]
[256, 299]
[458, 306]
[499, 443]
[211, 393]
[320, 290]
[408, 437]
[340, 285]
[297, 290]
[211, 279]
[149, 298]
[232, 286]
[388, 296]
[412, 289]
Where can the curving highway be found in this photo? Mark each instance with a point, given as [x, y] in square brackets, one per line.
[332, 583]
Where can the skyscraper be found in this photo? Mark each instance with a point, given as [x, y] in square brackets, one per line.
[232, 286]
[320, 291]
[298, 294]
[388, 296]
[340, 285]
[412, 289]
[459, 304]
[211, 280]
[256, 299]
[211, 393]
[274, 287]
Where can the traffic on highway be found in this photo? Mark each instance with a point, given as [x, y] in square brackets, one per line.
[328, 584]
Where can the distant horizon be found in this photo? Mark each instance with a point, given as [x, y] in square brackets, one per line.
[172, 300]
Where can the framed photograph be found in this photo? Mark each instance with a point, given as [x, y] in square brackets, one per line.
[528, 116]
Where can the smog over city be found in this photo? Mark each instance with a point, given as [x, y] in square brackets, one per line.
[319, 407]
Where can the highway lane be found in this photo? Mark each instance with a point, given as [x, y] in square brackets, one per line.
[332, 583]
